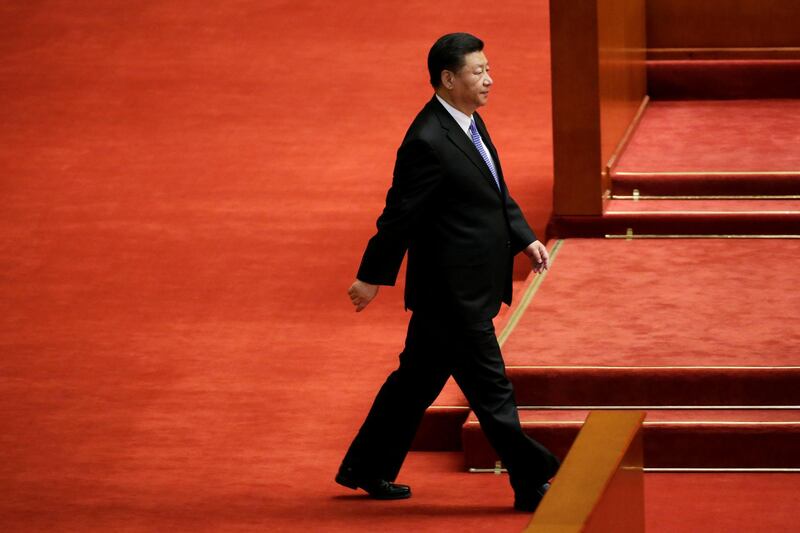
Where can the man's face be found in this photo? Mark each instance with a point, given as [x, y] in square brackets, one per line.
[472, 82]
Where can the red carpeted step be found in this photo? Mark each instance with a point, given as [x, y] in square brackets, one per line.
[603, 386]
[686, 217]
[664, 303]
[440, 428]
[706, 183]
[705, 207]
[598, 386]
[690, 79]
[673, 438]
[740, 147]
[746, 217]
[681, 322]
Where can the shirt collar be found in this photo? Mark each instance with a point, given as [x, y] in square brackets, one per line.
[463, 120]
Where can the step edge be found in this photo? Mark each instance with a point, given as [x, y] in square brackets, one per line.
[472, 425]
[676, 470]
[703, 173]
[656, 367]
[659, 407]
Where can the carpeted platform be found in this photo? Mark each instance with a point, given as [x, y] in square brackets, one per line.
[732, 147]
[683, 322]
[703, 167]
[674, 302]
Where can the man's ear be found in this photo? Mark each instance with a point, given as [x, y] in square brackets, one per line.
[447, 78]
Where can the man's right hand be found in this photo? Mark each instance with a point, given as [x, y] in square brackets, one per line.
[361, 294]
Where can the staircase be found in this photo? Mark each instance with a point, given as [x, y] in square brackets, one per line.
[714, 155]
[717, 376]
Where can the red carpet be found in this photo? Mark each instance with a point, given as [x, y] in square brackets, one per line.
[720, 503]
[713, 147]
[740, 135]
[181, 221]
[664, 302]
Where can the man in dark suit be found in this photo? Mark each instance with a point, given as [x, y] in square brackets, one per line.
[449, 208]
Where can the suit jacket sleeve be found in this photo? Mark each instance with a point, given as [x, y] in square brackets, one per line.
[521, 233]
[417, 174]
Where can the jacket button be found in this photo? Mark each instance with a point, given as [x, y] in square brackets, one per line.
[508, 244]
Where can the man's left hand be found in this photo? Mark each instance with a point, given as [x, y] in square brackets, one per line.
[540, 259]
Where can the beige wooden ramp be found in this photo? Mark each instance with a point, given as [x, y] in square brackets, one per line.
[600, 486]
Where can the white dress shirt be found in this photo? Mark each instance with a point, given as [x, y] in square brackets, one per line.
[464, 121]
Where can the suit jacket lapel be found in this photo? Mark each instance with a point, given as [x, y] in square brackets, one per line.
[459, 138]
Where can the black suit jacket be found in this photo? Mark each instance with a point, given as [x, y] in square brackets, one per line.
[445, 209]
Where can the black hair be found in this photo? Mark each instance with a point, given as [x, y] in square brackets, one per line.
[448, 52]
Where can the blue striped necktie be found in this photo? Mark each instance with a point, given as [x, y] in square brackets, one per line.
[476, 140]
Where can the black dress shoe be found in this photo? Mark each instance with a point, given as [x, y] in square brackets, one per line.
[380, 489]
[529, 501]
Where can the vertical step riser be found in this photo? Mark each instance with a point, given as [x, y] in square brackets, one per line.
[670, 446]
[655, 386]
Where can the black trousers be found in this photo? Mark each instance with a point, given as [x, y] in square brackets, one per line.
[435, 349]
